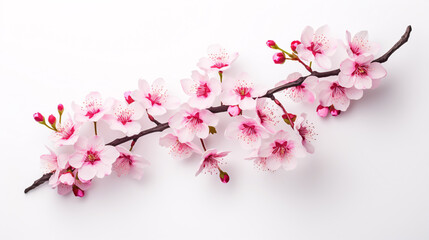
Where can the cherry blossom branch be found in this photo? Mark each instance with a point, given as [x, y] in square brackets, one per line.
[223, 108]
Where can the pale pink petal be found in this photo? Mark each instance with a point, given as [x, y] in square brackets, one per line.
[273, 163]
[354, 93]
[156, 110]
[307, 35]
[64, 189]
[323, 61]
[376, 71]
[87, 172]
[346, 81]
[363, 82]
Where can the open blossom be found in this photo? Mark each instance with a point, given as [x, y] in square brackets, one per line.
[210, 162]
[93, 108]
[218, 59]
[240, 91]
[332, 93]
[281, 150]
[66, 134]
[51, 162]
[129, 163]
[247, 131]
[177, 149]
[190, 122]
[124, 117]
[266, 114]
[201, 89]
[302, 93]
[306, 131]
[360, 72]
[155, 98]
[93, 158]
[317, 46]
[360, 45]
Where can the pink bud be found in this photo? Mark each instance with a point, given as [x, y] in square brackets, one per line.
[334, 112]
[128, 97]
[234, 110]
[224, 177]
[60, 108]
[322, 111]
[52, 120]
[272, 44]
[78, 192]
[294, 44]
[39, 117]
[279, 58]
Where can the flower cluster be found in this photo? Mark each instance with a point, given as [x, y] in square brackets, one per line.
[258, 121]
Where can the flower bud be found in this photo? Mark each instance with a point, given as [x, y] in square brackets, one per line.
[78, 192]
[234, 110]
[279, 58]
[290, 116]
[322, 111]
[39, 117]
[224, 177]
[60, 109]
[294, 44]
[52, 120]
[128, 97]
[334, 112]
[272, 44]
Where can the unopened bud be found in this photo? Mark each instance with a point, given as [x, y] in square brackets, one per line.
[334, 112]
[234, 110]
[272, 44]
[60, 109]
[78, 192]
[279, 58]
[52, 120]
[322, 111]
[294, 44]
[224, 177]
[39, 117]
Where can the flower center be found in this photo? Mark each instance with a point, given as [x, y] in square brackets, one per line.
[360, 70]
[315, 48]
[243, 92]
[203, 90]
[92, 107]
[337, 90]
[154, 99]
[92, 157]
[248, 129]
[194, 119]
[123, 115]
[281, 148]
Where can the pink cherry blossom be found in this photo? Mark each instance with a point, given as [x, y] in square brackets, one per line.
[93, 158]
[281, 150]
[177, 149]
[129, 163]
[266, 114]
[201, 89]
[306, 131]
[155, 98]
[210, 162]
[218, 59]
[65, 181]
[240, 91]
[190, 122]
[51, 162]
[360, 72]
[66, 134]
[302, 93]
[93, 108]
[124, 117]
[247, 131]
[331, 93]
[317, 46]
[360, 45]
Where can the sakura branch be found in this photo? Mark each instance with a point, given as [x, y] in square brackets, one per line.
[260, 123]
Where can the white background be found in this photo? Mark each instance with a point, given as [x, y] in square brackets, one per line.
[369, 177]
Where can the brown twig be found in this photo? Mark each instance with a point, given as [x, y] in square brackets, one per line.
[223, 108]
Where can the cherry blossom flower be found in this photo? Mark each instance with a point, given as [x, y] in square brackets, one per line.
[281, 150]
[306, 131]
[360, 72]
[317, 46]
[51, 162]
[65, 181]
[201, 89]
[360, 45]
[155, 98]
[93, 108]
[92, 158]
[129, 163]
[210, 162]
[266, 114]
[66, 134]
[218, 59]
[177, 149]
[247, 131]
[331, 93]
[124, 117]
[302, 93]
[190, 122]
[240, 91]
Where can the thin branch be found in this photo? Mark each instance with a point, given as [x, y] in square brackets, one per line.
[223, 108]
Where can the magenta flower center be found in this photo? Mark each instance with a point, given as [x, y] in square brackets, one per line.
[154, 99]
[281, 148]
[126, 159]
[315, 48]
[243, 92]
[123, 115]
[248, 129]
[360, 70]
[92, 157]
[194, 119]
[203, 90]
[219, 59]
[262, 117]
[337, 90]
[92, 107]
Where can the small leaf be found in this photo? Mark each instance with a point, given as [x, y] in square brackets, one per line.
[212, 130]
[291, 116]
